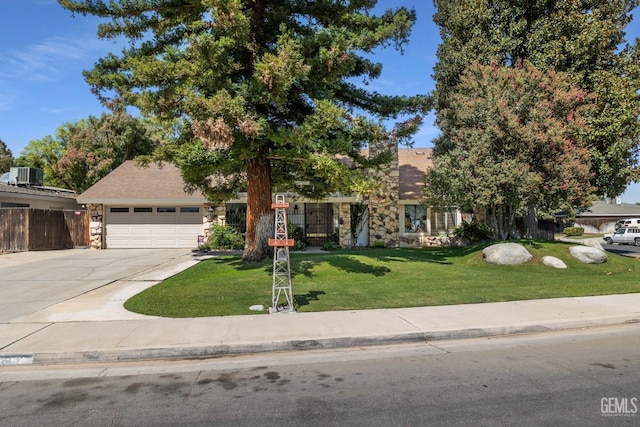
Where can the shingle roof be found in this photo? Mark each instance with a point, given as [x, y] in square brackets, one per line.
[38, 191]
[602, 208]
[132, 182]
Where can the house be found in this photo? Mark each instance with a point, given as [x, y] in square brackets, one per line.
[34, 195]
[147, 207]
[601, 217]
[36, 217]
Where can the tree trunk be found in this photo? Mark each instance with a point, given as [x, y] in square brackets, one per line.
[502, 221]
[259, 213]
[531, 229]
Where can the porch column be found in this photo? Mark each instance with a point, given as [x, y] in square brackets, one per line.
[96, 226]
[345, 225]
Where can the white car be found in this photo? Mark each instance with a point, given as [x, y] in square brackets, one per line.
[624, 236]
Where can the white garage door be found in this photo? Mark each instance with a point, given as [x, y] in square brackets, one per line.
[156, 227]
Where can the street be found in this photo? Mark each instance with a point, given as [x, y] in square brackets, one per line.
[626, 250]
[581, 378]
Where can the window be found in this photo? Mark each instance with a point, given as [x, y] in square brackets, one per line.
[166, 210]
[442, 222]
[143, 210]
[119, 210]
[13, 205]
[415, 217]
[189, 209]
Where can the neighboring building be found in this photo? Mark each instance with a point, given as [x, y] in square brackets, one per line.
[30, 195]
[601, 217]
[147, 207]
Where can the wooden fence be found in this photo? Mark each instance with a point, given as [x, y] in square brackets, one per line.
[24, 229]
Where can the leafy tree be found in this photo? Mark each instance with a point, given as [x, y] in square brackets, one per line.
[44, 154]
[83, 152]
[516, 139]
[6, 157]
[269, 91]
[584, 39]
[96, 146]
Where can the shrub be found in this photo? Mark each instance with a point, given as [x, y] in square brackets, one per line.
[297, 234]
[574, 231]
[225, 237]
[473, 231]
[333, 242]
[378, 244]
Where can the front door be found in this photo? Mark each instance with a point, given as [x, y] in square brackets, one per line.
[319, 223]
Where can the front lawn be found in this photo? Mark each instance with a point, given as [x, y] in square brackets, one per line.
[384, 278]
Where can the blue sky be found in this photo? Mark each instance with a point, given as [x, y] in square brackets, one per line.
[43, 51]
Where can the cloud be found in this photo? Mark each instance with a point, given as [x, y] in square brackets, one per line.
[45, 60]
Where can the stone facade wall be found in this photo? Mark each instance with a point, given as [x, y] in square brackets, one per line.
[423, 240]
[344, 210]
[384, 211]
[96, 226]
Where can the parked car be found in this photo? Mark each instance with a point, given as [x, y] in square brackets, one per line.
[624, 236]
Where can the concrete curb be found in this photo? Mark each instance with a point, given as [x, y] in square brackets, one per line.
[221, 350]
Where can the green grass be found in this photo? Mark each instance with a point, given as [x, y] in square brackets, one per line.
[384, 278]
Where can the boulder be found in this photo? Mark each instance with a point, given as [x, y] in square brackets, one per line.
[588, 255]
[551, 261]
[506, 254]
[594, 243]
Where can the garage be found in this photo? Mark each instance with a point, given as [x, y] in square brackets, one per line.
[153, 226]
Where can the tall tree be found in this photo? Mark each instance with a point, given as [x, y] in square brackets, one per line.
[97, 145]
[517, 140]
[6, 157]
[269, 90]
[44, 154]
[584, 39]
[83, 152]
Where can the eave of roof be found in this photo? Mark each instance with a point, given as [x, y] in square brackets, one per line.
[36, 192]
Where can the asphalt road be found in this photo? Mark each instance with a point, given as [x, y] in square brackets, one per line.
[627, 250]
[582, 378]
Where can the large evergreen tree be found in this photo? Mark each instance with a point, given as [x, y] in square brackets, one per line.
[269, 90]
[584, 39]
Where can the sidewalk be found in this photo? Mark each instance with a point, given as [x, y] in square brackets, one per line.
[94, 327]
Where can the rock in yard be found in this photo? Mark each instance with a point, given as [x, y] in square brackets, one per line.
[588, 255]
[594, 243]
[551, 261]
[506, 254]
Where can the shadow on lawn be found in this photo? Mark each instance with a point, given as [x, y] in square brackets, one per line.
[356, 260]
[300, 300]
[305, 266]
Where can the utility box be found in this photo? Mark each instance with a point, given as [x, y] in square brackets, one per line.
[26, 176]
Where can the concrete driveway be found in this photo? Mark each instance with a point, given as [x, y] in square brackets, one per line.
[81, 284]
